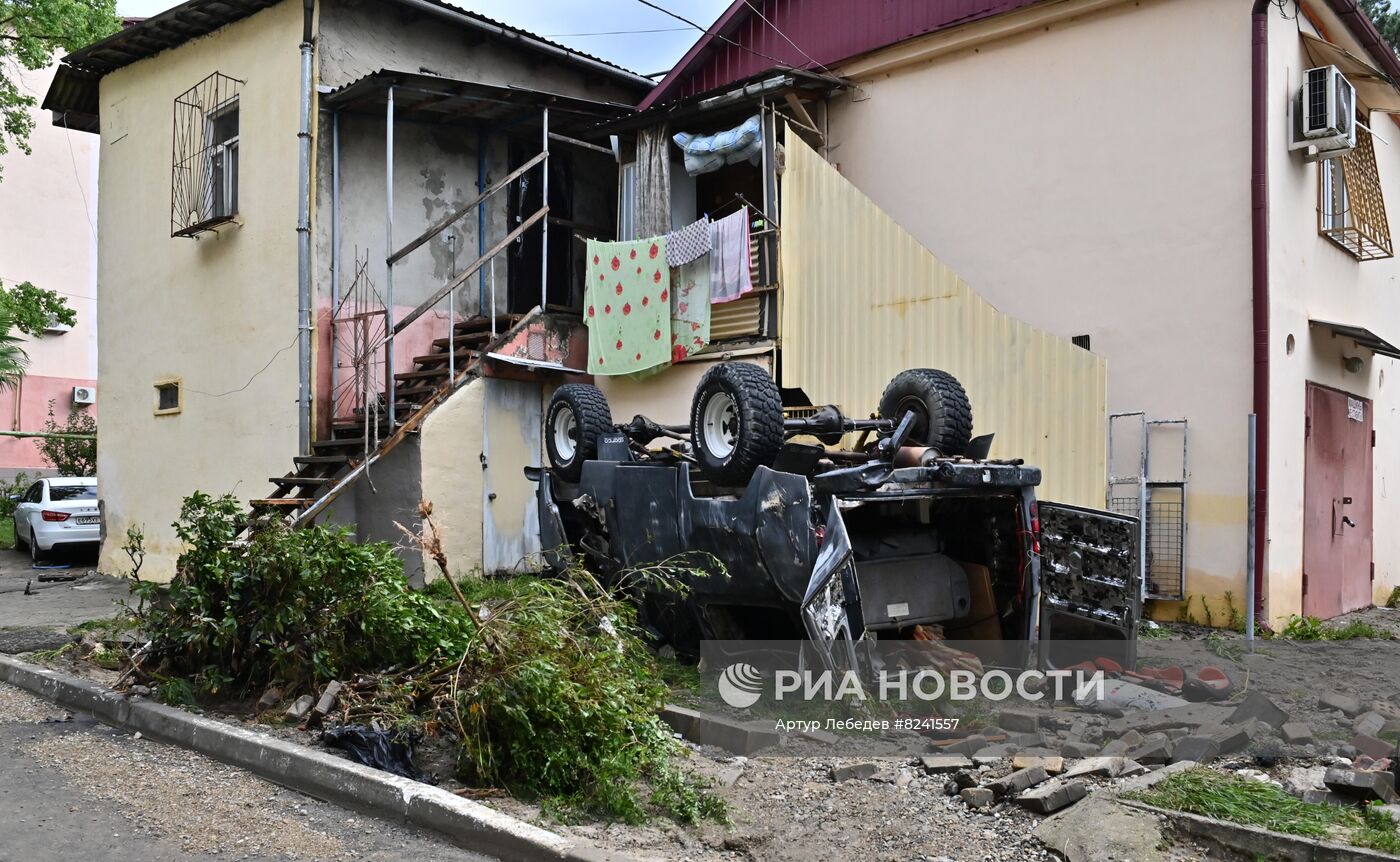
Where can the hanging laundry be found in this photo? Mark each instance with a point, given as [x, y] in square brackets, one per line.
[729, 257]
[690, 308]
[706, 153]
[688, 243]
[627, 306]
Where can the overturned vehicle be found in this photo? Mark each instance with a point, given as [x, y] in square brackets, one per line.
[909, 532]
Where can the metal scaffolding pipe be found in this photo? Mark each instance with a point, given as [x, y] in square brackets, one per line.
[335, 252]
[388, 255]
[304, 255]
[544, 228]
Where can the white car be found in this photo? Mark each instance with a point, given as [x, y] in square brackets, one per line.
[57, 511]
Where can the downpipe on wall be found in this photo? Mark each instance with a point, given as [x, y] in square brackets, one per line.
[304, 238]
[1259, 225]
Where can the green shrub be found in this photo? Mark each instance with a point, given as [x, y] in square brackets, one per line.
[545, 685]
[1301, 628]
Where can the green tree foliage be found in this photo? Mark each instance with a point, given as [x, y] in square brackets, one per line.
[33, 308]
[31, 31]
[70, 457]
[1387, 20]
[13, 359]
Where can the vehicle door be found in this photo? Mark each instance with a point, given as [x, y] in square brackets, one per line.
[1090, 585]
[831, 607]
[29, 505]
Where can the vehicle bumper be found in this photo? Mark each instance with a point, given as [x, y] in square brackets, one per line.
[49, 535]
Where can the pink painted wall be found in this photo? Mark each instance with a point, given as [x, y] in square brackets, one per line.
[33, 395]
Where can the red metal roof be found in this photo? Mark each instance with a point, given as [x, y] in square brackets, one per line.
[741, 43]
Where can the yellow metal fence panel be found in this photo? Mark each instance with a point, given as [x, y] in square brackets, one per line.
[862, 300]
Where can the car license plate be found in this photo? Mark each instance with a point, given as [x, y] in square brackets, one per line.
[86, 519]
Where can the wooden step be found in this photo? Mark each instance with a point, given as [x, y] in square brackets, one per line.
[416, 393]
[422, 374]
[440, 358]
[281, 503]
[483, 323]
[321, 459]
[340, 443]
[300, 481]
[441, 345]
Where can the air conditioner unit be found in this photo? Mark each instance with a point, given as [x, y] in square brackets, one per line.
[84, 395]
[1323, 115]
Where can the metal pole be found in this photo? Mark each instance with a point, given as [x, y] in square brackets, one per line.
[388, 252]
[481, 145]
[544, 224]
[1249, 597]
[335, 251]
[304, 256]
[1142, 511]
[452, 313]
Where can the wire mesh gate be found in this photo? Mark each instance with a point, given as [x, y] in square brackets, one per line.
[1147, 473]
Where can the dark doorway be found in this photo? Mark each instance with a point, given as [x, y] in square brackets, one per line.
[523, 280]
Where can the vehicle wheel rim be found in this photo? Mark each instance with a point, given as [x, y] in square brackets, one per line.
[720, 425]
[565, 432]
[918, 430]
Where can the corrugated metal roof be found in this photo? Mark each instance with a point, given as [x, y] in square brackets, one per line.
[808, 34]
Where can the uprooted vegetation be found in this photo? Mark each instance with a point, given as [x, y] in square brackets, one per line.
[1262, 804]
[542, 686]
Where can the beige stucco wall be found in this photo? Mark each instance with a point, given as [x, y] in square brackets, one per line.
[1107, 198]
[1309, 278]
[48, 237]
[218, 312]
[452, 439]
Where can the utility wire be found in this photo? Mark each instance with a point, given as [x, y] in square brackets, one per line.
[809, 57]
[663, 10]
[255, 376]
[616, 32]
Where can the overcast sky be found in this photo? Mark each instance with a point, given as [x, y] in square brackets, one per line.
[595, 26]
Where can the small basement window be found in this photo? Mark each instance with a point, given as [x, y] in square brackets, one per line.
[169, 397]
[1081, 341]
[1350, 207]
[205, 160]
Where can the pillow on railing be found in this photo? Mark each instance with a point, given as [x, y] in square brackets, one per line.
[706, 153]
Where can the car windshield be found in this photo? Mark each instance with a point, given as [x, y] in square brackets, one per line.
[72, 492]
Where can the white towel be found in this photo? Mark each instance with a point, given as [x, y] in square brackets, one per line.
[729, 257]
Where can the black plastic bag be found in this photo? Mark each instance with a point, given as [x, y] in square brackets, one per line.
[377, 748]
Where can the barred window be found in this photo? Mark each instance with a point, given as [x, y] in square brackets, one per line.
[205, 162]
[1350, 207]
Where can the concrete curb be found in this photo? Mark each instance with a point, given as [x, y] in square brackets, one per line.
[315, 773]
[1257, 842]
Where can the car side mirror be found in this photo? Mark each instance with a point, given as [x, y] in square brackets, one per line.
[14, 498]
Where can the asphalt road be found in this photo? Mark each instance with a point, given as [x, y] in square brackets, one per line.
[74, 789]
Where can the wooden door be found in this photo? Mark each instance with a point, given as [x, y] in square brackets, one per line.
[1336, 503]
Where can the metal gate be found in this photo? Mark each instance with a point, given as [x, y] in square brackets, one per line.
[1147, 471]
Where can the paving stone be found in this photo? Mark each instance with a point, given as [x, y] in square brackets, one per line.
[1078, 749]
[1190, 715]
[937, 763]
[737, 737]
[1296, 733]
[995, 752]
[1231, 737]
[967, 746]
[1026, 740]
[1368, 723]
[977, 797]
[1258, 706]
[1052, 764]
[1052, 796]
[1132, 738]
[1372, 747]
[1200, 749]
[329, 695]
[1155, 749]
[1018, 781]
[966, 778]
[301, 708]
[1327, 797]
[1108, 766]
[1019, 721]
[1114, 748]
[1146, 780]
[860, 771]
[1360, 784]
[1349, 705]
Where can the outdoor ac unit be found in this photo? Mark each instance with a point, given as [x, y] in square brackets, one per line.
[84, 395]
[1323, 114]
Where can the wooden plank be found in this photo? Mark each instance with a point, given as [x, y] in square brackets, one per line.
[471, 270]
[803, 118]
[447, 220]
[575, 142]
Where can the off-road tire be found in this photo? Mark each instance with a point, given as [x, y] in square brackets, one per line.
[943, 414]
[592, 418]
[758, 435]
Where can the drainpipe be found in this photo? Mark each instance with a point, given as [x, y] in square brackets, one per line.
[1259, 223]
[304, 238]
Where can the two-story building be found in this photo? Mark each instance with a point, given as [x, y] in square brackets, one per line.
[1122, 174]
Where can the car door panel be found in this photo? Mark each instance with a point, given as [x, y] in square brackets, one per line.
[1089, 585]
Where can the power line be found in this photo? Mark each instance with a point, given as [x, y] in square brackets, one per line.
[663, 10]
[616, 32]
[809, 57]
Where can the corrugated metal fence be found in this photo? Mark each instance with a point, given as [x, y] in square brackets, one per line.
[862, 300]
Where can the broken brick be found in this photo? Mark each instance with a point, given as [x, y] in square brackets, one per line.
[1372, 747]
[1078, 749]
[1360, 784]
[328, 698]
[1053, 765]
[936, 763]
[1019, 721]
[1114, 748]
[1198, 749]
[854, 770]
[1108, 766]
[1349, 705]
[1368, 723]
[1296, 733]
[301, 708]
[967, 746]
[1132, 738]
[1018, 781]
[1258, 706]
[1051, 797]
[1155, 749]
[977, 797]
